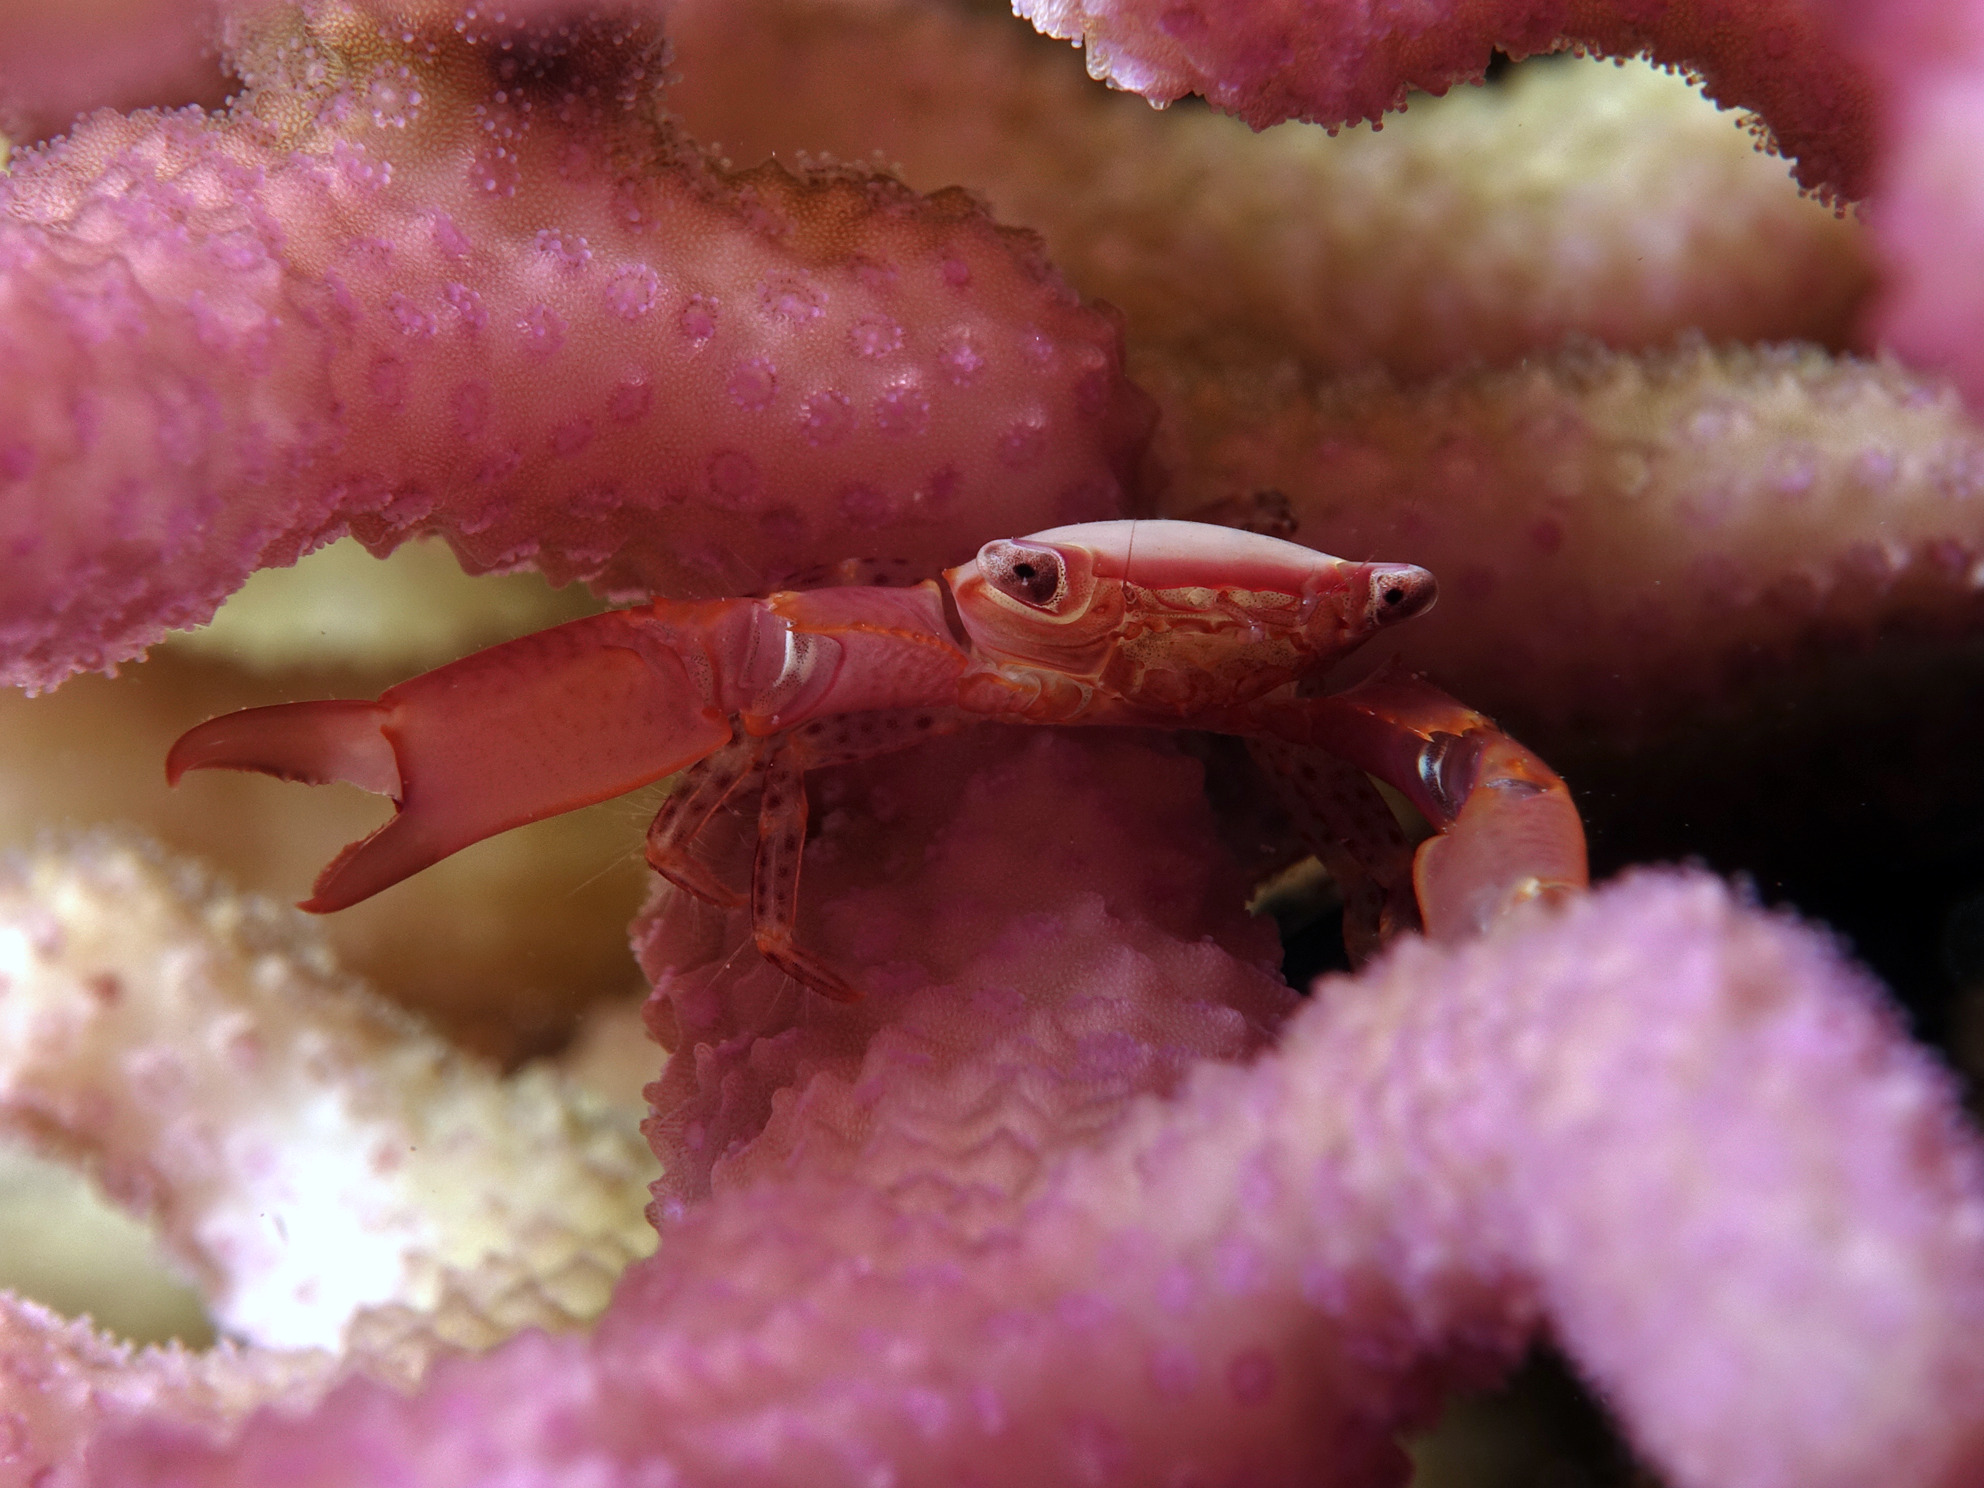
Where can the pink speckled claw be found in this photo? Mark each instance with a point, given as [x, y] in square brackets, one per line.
[523, 731]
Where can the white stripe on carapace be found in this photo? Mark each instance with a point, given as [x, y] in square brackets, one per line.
[1178, 555]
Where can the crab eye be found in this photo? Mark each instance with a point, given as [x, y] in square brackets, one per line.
[1034, 576]
[1400, 591]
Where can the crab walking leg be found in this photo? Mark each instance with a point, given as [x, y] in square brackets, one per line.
[782, 817]
[782, 814]
[680, 821]
[1508, 831]
[1342, 819]
[519, 732]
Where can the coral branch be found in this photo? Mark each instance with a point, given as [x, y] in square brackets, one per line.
[1485, 225]
[1334, 64]
[67, 1384]
[333, 1176]
[1617, 537]
[1930, 60]
[461, 284]
[998, 1236]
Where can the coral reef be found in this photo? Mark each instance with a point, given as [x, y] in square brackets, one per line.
[350, 1192]
[345, 306]
[1081, 1190]
[1021, 1217]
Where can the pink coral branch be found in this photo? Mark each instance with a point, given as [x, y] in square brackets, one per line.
[1930, 213]
[998, 1238]
[1869, 100]
[67, 1383]
[1331, 63]
[1454, 234]
[441, 286]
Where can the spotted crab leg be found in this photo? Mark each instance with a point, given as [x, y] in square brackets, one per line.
[780, 764]
[700, 794]
[1507, 829]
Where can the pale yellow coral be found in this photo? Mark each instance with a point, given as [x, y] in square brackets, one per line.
[63, 1243]
[1573, 196]
[332, 1174]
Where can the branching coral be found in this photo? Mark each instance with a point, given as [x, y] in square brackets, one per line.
[1879, 99]
[1619, 537]
[1080, 1191]
[1484, 225]
[1006, 1223]
[448, 284]
[335, 1177]
[1269, 60]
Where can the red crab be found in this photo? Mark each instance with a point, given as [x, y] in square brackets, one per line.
[1155, 624]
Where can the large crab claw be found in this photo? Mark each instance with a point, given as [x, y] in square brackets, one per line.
[523, 731]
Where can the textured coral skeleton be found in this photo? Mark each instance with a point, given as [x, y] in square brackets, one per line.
[1081, 1191]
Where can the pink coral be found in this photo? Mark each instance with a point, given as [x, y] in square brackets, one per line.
[1269, 60]
[1868, 99]
[1024, 1218]
[421, 286]
[1081, 1190]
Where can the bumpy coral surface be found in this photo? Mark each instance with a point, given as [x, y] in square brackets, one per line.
[340, 1181]
[1269, 60]
[426, 285]
[1617, 537]
[1081, 1190]
[1606, 201]
[1021, 1217]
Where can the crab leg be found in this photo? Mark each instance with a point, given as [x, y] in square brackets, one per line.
[782, 815]
[1342, 819]
[594, 709]
[687, 811]
[519, 732]
[1508, 831]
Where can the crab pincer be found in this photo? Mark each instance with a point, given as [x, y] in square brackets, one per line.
[1154, 624]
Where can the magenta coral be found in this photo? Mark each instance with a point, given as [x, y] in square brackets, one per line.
[1330, 63]
[1878, 100]
[1007, 1225]
[374, 299]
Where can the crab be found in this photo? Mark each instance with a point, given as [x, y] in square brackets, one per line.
[1153, 624]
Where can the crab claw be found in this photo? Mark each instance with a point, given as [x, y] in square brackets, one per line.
[514, 734]
[315, 743]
